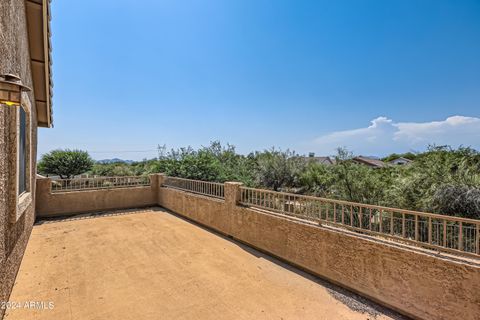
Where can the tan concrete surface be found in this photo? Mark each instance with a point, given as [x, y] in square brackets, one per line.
[153, 265]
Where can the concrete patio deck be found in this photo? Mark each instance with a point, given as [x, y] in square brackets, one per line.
[151, 264]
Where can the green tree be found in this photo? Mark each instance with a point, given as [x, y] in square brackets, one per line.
[360, 183]
[318, 179]
[118, 169]
[393, 156]
[458, 200]
[279, 169]
[213, 163]
[65, 163]
[441, 180]
[441, 172]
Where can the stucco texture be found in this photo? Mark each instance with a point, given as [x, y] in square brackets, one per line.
[66, 203]
[14, 59]
[418, 284]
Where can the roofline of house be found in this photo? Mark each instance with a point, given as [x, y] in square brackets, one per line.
[38, 26]
[370, 163]
[401, 158]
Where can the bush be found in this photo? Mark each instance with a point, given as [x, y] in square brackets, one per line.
[318, 179]
[212, 163]
[116, 170]
[440, 180]
[65, 163]
[416, 187]
[279, 169]
[457, 200]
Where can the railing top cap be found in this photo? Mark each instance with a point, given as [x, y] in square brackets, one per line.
[110, 177]
[186, 179]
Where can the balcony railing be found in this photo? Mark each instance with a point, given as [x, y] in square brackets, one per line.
[211, 189]
[445, 233]
[78, 184]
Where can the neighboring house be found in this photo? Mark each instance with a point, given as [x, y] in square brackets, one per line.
[25, 104]
[322, 160]
[400, 161]
[371, 162]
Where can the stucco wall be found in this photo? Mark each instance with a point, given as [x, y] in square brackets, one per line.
[65, 203]
[15, 59]
[411, 281]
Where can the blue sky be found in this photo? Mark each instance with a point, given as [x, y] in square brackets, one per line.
[374, 76]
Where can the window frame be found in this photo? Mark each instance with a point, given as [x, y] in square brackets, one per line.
[24, 199]
[22, 148]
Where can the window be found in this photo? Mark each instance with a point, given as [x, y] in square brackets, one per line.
[22, 151]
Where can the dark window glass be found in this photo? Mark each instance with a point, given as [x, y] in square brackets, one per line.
[22, 152]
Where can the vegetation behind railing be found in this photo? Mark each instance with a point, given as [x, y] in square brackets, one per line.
[212, 189]
[436, 231]
[440, 180]
[78, 184]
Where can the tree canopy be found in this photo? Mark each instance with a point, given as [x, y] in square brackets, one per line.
[441, 180]
[65, 163]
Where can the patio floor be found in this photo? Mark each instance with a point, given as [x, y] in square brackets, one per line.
[151, 264]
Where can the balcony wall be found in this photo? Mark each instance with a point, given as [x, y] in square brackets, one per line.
[416, 283]
[413, 281]
[50, 204]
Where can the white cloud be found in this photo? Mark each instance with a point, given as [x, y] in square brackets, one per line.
[385, 136]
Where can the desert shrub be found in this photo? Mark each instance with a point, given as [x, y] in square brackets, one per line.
[212, 163]
[458, 200]
[317, 179]
[441, 180]
[65, 163]
[278, 169]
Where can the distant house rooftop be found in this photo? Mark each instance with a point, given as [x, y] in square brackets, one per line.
[322, 160]
[400, 161]
[371, 162]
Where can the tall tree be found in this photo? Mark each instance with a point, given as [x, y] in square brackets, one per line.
[65, 163]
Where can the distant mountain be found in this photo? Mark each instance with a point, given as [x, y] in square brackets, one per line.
[114, 160]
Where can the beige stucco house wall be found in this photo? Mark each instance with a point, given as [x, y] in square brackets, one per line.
[24, 53]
